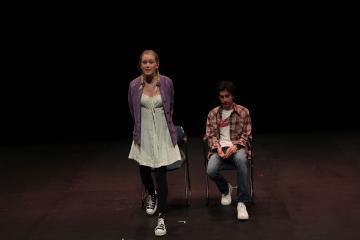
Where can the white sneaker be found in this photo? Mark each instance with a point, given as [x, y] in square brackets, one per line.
[242, 213]
[151, 204]
[226, 198]
[160, 229]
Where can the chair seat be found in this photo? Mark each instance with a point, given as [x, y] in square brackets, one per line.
[178, 163]
[175, 165]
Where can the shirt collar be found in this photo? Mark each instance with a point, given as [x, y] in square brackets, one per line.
[234, 108]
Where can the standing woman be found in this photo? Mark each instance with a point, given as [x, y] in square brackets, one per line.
[154, 143]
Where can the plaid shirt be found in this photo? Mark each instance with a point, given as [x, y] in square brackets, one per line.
[240, 128]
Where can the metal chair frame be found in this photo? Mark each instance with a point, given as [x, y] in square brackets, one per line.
[226, 167]
[184, 162]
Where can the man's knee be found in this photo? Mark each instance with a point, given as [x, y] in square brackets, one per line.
[212, 168]
[210, 172]
[240, 158]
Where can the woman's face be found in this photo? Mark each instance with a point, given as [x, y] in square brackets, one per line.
[148, 64]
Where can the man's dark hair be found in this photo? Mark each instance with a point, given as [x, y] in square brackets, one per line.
[226, 85]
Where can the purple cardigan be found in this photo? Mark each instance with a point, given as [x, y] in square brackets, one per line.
[167, 96]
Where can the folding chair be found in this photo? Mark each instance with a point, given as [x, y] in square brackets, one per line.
[182, 142]
[226, 166]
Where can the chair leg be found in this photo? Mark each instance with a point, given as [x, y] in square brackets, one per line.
[205, 151]
[187, 178]
[207, 190]
[206, 185]
[252, 182]
[186, 186]
[188, 191]
[188, 175]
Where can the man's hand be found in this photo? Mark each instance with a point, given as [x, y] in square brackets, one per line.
[230, 151]
[220, 152]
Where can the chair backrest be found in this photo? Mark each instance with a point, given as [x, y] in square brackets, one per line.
[181, 141]
[181, 136]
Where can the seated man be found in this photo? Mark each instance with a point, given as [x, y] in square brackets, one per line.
[228, 131]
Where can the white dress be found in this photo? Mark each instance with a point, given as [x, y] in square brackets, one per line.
[156, 148]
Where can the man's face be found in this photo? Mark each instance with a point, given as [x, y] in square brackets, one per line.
[226, 99]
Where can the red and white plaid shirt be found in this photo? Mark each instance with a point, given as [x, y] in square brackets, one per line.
[240, 128]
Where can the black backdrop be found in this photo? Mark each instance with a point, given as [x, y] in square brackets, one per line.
[70, 81]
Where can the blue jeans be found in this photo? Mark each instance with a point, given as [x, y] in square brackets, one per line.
[241, 162]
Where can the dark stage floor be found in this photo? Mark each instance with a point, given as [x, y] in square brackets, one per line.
[306, 187]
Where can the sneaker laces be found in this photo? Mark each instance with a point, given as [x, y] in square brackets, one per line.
[161, 224]
[151, 201]
[242, 206]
